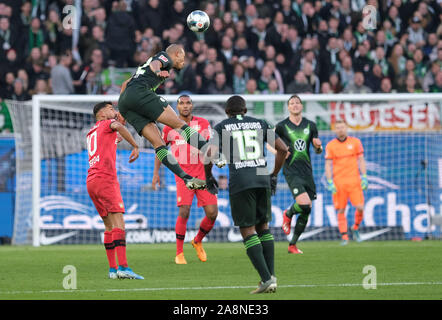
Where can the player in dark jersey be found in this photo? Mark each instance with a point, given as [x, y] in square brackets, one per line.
[242, 140]
[298, 133]
[142, 107]
[103, 187]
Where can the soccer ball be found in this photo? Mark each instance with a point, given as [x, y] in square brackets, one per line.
[198, 21]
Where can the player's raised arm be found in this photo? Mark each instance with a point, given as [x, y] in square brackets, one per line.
[281, 154]
[122, 130]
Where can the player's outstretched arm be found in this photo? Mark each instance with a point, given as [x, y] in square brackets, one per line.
[317, 144]
[122, 130]
[363, 169]
[328, 174]
[281, 150]
[155, 66]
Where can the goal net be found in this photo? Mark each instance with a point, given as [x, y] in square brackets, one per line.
[401, 135]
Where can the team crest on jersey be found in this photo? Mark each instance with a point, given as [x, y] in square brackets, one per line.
[306, 131]
[299, 145]
[163, 58]
[349, 147]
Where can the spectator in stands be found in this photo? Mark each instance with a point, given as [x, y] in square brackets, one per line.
[325, 88]
[152, 15]
[299, 85]
[311, 77]
[37, 34]
[10, 64]
[347, 73]
[41, 87]
[252, 87]
[61, 75]
[416, 33]
[24, 77]
[208, 78]
[329, 59]
[19, 93]
[53, 28]
[266, 76]
[437, 85]
[220, 86]
[420, 68]
[185, 79]
[361, 62]
[7, 86]
[430, 77]
[9, 39]
[335, 83]
[397, 60]
[252, 70]
[121, 35]
[386, 86]
[358, 85]
[240, 78]
[374, 78]
[411, 84]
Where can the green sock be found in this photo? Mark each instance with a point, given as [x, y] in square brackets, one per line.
[164, 155]
[191, 136]
[294, 209]
[256, 256]
[268, 249]
[301, 222]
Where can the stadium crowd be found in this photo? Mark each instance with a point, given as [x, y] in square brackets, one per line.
[252, 46]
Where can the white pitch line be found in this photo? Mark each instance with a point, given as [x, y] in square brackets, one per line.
[220, 287]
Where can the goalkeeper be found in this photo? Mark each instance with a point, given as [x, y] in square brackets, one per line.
[345, 155]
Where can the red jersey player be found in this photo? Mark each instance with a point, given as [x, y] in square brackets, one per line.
[103, 187]
[189, 159]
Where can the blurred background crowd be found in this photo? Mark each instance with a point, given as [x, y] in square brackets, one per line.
[251, 47]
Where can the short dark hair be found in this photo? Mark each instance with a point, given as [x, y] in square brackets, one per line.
[293, 97]
[100, 106]
[184, 96]
[236, 105]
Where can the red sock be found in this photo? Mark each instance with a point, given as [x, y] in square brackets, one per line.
[342, 225]
[359, 215]
[180, 230]
[119, 240]
[110, 249]
[205, 227]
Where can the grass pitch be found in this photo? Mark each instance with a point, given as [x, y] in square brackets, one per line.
[404, 270]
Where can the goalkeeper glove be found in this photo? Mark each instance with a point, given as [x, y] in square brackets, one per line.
[273, 183]
[331, 186]
[364, 182]
[212, 185]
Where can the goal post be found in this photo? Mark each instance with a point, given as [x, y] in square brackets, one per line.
[401, 134]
